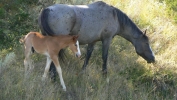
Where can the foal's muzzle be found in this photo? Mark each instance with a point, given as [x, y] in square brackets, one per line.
[78, 55]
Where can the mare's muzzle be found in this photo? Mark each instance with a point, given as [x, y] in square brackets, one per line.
[151, 61]
[149, 58]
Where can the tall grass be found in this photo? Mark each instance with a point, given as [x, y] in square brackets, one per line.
[129, 76]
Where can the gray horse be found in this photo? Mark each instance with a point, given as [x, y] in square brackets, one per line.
[94, 22]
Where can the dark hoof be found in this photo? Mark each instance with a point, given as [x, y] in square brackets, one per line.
[105, 73]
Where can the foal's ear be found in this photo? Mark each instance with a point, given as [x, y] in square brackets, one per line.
[75, 37]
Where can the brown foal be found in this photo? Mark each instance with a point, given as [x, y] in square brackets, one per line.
[49, 46]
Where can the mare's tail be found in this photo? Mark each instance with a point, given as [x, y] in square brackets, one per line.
[43, 22]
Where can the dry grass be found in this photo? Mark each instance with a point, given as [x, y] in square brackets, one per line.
[129, 77]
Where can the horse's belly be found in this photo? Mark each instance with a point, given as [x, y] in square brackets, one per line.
[86, 37]
[86, 40]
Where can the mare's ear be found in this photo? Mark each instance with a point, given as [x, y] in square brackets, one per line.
[137, 36]
[145, 32]
[75, 37]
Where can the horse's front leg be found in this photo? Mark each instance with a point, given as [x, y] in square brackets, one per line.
[88, 54]
[105, 48]
[57, 65]
[47, 67]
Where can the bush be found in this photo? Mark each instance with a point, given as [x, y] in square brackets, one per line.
[15, 21]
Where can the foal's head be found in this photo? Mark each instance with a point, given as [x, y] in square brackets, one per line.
[74, 46]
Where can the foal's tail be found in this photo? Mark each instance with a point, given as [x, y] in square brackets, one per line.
[22, 39]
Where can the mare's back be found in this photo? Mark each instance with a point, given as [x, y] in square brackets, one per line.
[91, 21]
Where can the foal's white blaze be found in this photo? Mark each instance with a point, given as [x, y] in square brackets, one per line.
[78, 53]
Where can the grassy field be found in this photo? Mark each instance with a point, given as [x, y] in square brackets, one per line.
[129, 76]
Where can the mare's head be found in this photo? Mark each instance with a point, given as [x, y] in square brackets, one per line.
[74, 46]
[143, 48]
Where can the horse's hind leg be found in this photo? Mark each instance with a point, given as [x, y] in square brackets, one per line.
[27, 61]
[57, 65]
[47, 67]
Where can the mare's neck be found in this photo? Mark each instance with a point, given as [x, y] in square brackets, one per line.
[129, 34]
[128, 29]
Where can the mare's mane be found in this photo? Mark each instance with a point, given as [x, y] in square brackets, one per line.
[124, 21]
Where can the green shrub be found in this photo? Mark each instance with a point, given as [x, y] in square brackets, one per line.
[15, 21]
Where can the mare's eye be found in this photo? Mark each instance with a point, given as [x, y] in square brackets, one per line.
[75, 44]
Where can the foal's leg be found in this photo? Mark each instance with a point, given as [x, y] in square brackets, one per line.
[52, 70]
[89, 52]
[27, 60]
[47, 67]
[57, 65]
